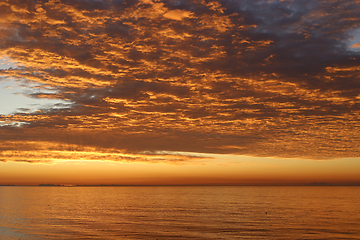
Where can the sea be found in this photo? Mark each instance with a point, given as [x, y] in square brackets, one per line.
[180, 212]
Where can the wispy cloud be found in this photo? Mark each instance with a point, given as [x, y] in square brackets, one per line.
[260, 78]
[49, 152]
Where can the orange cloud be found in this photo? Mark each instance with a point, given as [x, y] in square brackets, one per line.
[177, 14]
[257, 77]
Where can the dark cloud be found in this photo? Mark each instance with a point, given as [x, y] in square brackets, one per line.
[253, 77]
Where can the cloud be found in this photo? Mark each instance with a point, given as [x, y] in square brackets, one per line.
[51, 152]
[177, 14]
[259, 78]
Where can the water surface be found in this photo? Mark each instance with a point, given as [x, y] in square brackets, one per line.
[179, 213]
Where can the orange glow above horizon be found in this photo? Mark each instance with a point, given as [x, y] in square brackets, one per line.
[218, 169]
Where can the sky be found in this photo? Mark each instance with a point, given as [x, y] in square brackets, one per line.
[156, 92]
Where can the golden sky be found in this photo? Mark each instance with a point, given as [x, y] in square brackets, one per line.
[179, 92]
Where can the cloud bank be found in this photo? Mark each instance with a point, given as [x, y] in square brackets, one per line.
[253, 77]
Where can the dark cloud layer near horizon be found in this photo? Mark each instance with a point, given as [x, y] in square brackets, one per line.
[252, 77]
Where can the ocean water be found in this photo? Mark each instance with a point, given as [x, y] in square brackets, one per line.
[179, 212]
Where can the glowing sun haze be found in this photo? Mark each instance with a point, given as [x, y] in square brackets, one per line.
[179, 92]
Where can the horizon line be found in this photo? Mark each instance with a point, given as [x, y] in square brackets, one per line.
[184, 185]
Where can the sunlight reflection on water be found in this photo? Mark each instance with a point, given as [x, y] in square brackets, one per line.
[179, 212]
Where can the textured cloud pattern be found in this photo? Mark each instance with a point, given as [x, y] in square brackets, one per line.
[252, 77]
